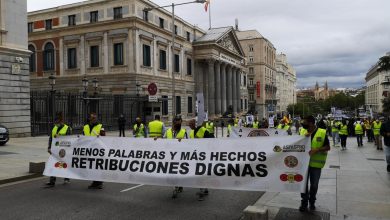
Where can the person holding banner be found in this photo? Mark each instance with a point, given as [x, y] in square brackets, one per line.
[176, 132]
[318, 154]
[256, 124]
[139, 128]
[210, 127]
[156, 128]
[201, 132]
[94, 129]
[59, 129]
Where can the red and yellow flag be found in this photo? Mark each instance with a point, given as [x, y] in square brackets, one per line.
[206, 5]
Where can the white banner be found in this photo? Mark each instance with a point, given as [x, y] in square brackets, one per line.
[257, 164]
[243, 132]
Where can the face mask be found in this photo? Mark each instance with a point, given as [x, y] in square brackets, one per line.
[305, 126]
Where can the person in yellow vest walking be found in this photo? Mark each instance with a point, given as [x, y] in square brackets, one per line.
[359, 132]
[59, 129]
[176, 132]
[94, 129]
[335, 132]
[156, 128]
[368, 128]
[201, 132]
[139, 128]
[256, 124]
[376, 127]
[343, 134]
[318, 154]
[230, 127]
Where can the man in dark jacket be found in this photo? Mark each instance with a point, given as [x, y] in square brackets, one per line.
[121, 125]
[385, 132]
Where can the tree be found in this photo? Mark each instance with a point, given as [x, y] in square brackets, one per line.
[384, 65]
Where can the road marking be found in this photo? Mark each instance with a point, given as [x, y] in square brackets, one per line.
[134, 187]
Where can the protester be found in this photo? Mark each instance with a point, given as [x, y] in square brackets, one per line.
[359, 132]
[376, 125]
[59, 129]
[210, 127]
[385, 132]
[368, 128]
[95, 129]
[121, 125]
[256, 124]
[156, 128]
[139, 128]
[176, 132]
[335, 132]
[318, 154]
[343, 134]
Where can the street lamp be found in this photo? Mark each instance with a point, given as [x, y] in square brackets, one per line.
[52, 83]
[173, 45]
[95, 83]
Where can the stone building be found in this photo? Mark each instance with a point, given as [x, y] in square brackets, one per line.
[14, 74]
[377, 87]
[260, 55]
[286, 80]
[123, 45]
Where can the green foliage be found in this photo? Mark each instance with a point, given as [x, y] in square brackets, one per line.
[384, 63]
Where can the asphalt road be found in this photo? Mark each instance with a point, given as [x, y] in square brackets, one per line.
[29, 200]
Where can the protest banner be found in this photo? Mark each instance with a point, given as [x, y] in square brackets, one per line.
[256, 164]
[243, 132]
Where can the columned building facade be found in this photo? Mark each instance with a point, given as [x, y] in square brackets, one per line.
[126, 47]
[14, 63]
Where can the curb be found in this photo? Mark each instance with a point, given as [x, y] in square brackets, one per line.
[20, 178]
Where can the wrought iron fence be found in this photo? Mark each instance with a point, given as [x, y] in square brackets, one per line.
[75, 107]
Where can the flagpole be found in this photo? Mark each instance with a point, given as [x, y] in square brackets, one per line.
[210, 15]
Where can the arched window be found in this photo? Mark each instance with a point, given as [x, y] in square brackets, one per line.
[48, 57]
[32, 58]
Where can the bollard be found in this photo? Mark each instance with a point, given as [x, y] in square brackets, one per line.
[256, 213]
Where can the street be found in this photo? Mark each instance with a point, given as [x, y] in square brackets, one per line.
[30, 200]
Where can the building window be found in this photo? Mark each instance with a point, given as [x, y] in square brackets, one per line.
[251, 70]
[32, 58]
[72, 58]
[146, 15]
[118, 54]
[48, 57]
[146, 55]
[30, 27]
[189, 104]
[246, 103]
[118, 13]
[251, 81]
[177, 63]
[71, 20]
[189, 66]
[242, 103]
[250, 59]
[251, 97]
[49, 24]
[94, 56]
[188, 36]
[175, 29]
[244, 80]
[161, 22]
[178, 105]
[250, 48]
[164, 105]
[163, 60]
[94, 16]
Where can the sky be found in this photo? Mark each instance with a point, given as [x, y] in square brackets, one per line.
[333, 40]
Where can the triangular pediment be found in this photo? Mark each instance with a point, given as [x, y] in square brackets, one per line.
[230, 42]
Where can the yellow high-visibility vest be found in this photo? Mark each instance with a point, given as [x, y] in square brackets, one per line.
[155, 128]
[62, 132]
[95, 131]
[318, 160]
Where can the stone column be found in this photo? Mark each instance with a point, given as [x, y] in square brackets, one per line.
[229, 86]
[234, 89]
[218, 88]
[211, 89]
[239, 91]
[61, 56]
[105, 53]
[205, 85]
[223, 89]
[198, 77]
[82, 55]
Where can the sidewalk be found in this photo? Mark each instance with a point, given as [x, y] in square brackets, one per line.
[354, 185]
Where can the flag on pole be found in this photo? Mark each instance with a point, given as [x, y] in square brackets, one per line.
[206, 5]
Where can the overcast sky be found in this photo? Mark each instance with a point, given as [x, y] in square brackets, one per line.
[333, 40]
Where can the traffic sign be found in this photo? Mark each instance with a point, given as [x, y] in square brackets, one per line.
[153, 98]
[152, 89]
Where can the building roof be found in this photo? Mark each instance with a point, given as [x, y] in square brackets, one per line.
[214, 34]
[246, 35]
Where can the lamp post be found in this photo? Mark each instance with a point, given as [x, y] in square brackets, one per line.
[85, 94]
[52, 82]
[95, 83]
[173, 45]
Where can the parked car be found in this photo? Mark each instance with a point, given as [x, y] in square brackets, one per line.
[4, 135]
